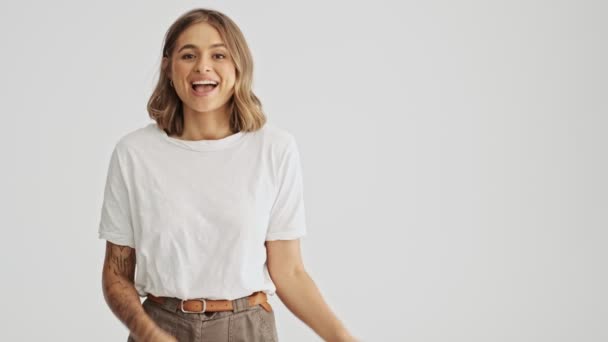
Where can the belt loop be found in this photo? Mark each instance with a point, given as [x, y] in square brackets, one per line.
[174, 304]
[171, 304]
[239, 304]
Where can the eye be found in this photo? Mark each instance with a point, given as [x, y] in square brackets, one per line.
[186, 55]
[219, 54]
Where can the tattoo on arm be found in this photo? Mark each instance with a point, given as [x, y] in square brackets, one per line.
[118, 287]
[121, 260]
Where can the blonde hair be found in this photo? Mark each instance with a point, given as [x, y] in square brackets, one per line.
[165, 106]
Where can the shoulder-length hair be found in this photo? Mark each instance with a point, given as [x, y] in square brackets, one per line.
[165, 106]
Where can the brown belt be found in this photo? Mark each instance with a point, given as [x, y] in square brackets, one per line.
[206, 305]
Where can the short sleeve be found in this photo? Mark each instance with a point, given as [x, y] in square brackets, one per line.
[115, 223]
[287, 216]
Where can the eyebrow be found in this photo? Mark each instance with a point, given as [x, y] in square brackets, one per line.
[192, 46]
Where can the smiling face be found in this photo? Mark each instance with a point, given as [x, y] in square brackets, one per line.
[199, 55]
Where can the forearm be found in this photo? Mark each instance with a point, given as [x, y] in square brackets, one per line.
[301, 296]
[123, 300]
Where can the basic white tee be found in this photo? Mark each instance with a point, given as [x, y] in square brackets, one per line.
[198, 212]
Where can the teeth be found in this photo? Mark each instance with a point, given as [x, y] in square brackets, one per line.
[205, 82]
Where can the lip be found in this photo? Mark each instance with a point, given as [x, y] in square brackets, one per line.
[204, 93]
[203, 79]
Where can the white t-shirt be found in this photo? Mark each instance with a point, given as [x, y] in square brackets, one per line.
[198, 212]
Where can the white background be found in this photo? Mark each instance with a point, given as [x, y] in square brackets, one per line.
[454, 157]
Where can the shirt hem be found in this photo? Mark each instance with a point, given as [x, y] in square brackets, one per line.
[285, 236]
[116, 239]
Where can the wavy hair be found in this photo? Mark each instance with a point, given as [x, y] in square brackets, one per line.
[165, 106]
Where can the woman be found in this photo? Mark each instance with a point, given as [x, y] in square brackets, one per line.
[207, 201]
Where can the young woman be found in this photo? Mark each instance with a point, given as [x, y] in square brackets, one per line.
[207, 202]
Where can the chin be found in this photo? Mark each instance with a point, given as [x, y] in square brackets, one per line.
[202, 109]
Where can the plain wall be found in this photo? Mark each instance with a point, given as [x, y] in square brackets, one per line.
[454, 156]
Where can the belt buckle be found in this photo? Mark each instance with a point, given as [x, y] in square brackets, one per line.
[199, 299]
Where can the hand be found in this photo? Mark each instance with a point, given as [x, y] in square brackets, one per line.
[350, 339]
[163, 337]
[159, 335]
[346, 337]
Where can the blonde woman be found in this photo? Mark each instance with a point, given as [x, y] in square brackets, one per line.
[207, 202]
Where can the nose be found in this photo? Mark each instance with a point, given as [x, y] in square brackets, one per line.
[204, 64]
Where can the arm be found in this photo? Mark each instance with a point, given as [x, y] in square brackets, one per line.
[298, 292]
[122, 298]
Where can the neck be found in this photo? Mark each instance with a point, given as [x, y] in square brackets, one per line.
[206, 125]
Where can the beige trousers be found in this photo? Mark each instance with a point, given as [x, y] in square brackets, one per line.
[243, 324]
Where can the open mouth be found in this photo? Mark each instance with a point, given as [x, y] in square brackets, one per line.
[204, 87]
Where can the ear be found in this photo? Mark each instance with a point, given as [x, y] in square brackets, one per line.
[165, 67]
